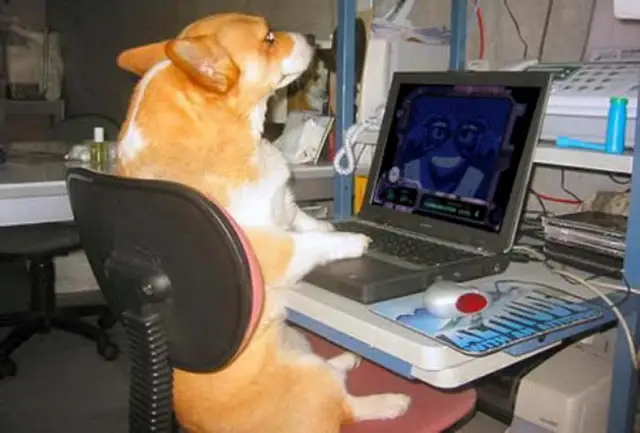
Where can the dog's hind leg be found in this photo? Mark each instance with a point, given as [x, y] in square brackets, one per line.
[377, 406]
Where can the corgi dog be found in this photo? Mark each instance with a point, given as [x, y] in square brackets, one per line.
[196, 117]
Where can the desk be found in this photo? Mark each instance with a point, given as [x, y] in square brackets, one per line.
[33, 190]
[410, 354]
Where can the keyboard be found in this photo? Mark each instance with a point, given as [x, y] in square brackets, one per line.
[413, 250]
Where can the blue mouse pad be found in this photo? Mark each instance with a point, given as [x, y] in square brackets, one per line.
[520, 311]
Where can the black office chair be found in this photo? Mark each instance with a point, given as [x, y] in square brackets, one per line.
[38, 245]
[176, 271]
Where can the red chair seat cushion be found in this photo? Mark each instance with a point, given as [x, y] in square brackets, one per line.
[431, 410]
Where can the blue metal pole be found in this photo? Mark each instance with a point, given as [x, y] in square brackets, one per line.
[458, 53]
[624, 386]
[345, 85]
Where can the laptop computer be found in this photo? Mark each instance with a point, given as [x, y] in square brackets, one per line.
[447, 183]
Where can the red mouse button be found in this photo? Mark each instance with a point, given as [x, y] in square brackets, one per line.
[470, 303]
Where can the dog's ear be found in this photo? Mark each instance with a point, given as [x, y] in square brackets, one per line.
[140, 59]
[206, 62]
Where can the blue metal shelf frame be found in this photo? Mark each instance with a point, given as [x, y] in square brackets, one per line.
[624, 387]
[345, 86]
[625, 377]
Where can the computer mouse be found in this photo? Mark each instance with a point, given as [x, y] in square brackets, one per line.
[447, 299]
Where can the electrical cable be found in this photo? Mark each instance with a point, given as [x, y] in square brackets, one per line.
[593, 287]
[572, 278]
[516, 24]
[545, 29]
[592, 14]
[543, 207]
[618, 181]
[345, 161]
[477, 11]
[574, 200]
[565, 189]
[554, 199]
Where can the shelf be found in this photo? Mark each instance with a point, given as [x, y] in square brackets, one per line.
[548, 154]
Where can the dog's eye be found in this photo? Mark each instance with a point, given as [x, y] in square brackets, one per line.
[270, 38]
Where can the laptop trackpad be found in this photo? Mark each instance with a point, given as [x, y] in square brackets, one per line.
[367, 279]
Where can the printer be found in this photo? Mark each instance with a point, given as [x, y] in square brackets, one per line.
[567, 393]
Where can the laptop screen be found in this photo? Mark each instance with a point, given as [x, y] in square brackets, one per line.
[453, 151]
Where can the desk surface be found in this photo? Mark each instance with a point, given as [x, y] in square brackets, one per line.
[40, 175]
[346, 321]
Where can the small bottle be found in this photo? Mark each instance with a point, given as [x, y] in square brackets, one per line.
[616, 125]
[99, 150]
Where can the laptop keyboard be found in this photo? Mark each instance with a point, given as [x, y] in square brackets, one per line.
[410, 249]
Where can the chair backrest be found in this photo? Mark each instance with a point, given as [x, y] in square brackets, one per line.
[141, 235]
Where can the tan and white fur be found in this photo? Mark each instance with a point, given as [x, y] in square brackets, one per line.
[196, 117]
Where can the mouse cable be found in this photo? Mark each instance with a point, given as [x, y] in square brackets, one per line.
[596, 288]
[574, 279]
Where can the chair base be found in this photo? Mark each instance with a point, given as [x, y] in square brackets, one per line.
[26, 325]
[45, 315]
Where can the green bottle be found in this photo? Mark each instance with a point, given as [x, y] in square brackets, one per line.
[100, 154]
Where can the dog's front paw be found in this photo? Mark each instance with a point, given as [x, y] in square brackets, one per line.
[353, 245]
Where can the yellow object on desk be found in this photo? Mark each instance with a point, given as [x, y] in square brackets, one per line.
[360, 186]
[99, 150]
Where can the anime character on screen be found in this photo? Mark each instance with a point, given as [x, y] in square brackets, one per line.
[453, 144]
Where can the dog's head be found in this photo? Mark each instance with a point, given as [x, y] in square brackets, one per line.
[229, 54]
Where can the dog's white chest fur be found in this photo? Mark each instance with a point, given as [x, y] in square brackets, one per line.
[264, 203]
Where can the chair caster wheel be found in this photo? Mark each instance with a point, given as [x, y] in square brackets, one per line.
[107, 321]
[8, 368]
[108, 350]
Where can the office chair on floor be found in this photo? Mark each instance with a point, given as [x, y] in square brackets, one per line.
[38, 245]
[178, 271]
